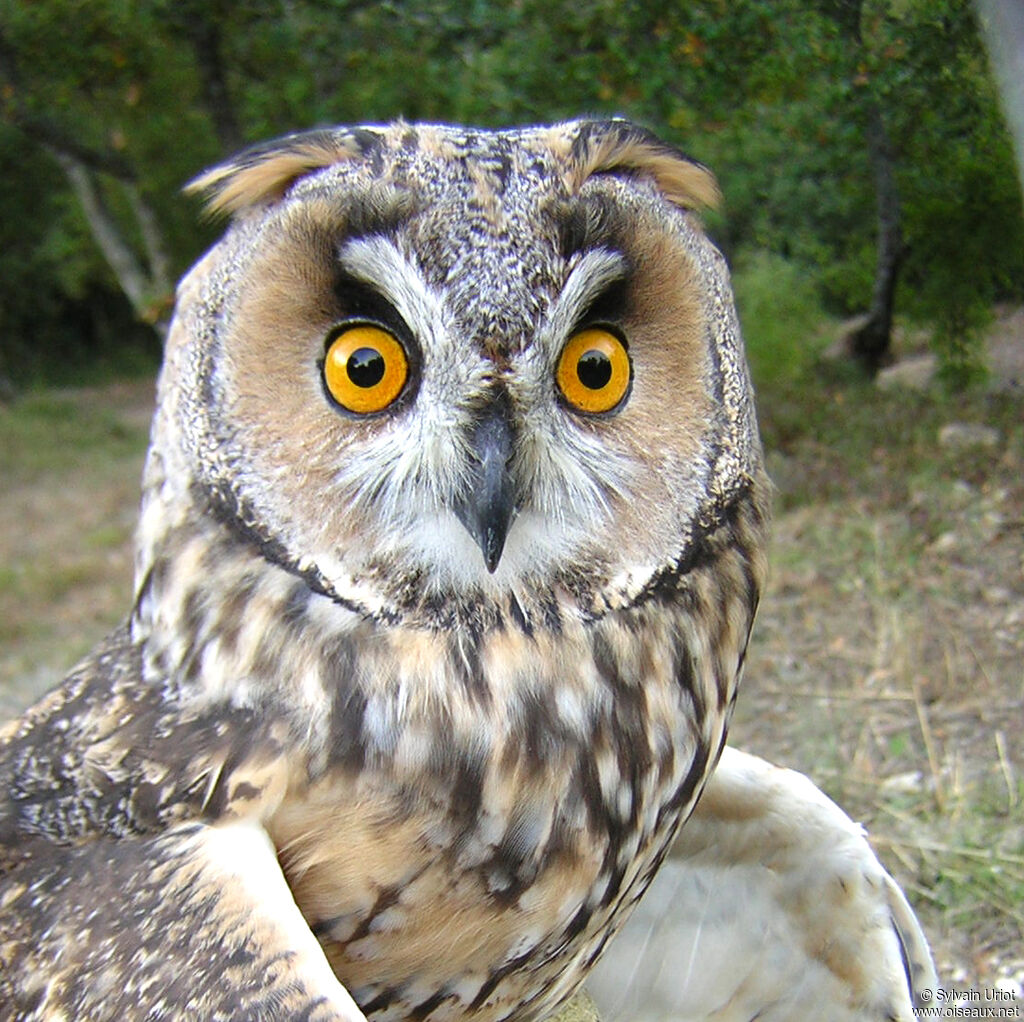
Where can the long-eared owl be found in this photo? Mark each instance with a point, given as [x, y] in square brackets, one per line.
[452, 534]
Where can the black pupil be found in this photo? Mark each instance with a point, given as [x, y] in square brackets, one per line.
[365, 367]
[594, 369]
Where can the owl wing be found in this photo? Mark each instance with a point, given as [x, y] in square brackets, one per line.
[771, 905]
[197, 922]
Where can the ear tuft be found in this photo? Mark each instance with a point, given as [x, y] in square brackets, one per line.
[619, 146]
[265, 172]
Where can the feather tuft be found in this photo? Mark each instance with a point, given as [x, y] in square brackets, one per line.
[609, 147]
[265, 172]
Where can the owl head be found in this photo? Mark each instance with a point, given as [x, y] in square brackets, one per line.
[429, 367]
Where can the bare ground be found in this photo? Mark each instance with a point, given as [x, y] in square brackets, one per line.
[886, 661]
[889, 669]
[66, 522]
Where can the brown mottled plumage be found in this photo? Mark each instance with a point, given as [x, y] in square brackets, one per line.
[411, 702]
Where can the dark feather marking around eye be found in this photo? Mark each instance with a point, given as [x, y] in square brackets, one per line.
[360, 300]
[609, 307]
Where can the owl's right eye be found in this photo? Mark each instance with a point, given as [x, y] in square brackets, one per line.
[365, 368]
[594, 372]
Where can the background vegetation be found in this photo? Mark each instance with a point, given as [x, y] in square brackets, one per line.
[857, 141]
[867, 174]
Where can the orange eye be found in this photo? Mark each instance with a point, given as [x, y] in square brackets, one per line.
[593, 371]
[365, 369]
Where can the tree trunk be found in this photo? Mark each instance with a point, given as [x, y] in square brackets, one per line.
[204, 33]
[871, 342]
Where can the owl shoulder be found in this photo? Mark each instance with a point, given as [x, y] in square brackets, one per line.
[110, 753]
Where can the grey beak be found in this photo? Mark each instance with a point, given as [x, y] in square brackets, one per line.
[488, 508]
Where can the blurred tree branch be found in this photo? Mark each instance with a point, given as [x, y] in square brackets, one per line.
[202, 24]
[145, 281]
[144, 278]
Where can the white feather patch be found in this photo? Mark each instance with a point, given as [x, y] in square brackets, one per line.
[244, 854]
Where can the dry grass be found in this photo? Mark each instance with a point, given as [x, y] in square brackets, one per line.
[895, 681]
[70, 464]
[887, 658]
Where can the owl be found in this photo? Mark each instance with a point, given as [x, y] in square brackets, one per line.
[451, 538]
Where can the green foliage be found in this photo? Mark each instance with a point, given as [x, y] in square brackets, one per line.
[61, 317]
[966, 242]
[962, 208]
[780, 311]
[773, 95]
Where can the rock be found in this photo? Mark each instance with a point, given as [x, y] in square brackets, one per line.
[1006, 351]
[968, 434]
[914, 373]
[911, 783]
[946, 543]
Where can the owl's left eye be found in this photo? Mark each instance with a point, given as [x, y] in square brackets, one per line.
[365, 368]
[594, 371]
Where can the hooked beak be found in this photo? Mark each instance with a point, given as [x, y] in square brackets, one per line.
[488, 508]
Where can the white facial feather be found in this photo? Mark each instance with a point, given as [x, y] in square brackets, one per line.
[406, 478]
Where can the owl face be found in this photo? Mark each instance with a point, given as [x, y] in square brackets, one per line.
[440, 368]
